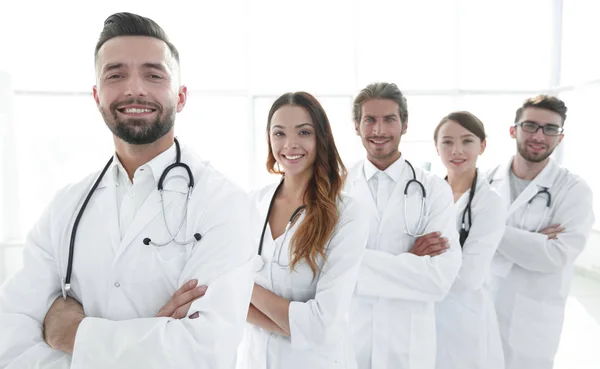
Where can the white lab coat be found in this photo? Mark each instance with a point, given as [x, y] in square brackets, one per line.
[392, 312]
[467, 328]
[123, 283]
[319, 334]
[532, 274]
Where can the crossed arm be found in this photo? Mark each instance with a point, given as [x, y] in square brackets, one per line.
[39, 329]
[65, 316]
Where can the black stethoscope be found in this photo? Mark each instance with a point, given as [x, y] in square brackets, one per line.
[423, 202]
[276, 259]
[464, 232]
[295, 214]
[543, 192]
[66, 282]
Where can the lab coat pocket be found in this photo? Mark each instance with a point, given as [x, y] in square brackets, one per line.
[170, 253]
[171, 259]
[536, 327]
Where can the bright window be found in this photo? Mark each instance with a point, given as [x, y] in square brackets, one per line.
[582, 128]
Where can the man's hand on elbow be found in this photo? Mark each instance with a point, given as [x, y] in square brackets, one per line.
[61, 324]
[179, 305]
[431, 244]
[553, 231]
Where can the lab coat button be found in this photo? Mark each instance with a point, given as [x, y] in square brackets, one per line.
[117, 284]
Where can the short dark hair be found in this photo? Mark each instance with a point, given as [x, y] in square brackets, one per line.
[380, 90]
[128, 24]
[547, 102]
[466, 120]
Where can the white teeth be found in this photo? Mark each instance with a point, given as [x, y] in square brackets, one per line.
[379, 142]
[137, 110]
[294, 157]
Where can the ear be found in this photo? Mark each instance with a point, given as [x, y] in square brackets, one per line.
[182, 98]
[436, 148]
[560, 138]
[95, 95]
[483, 146]
[513, 132]
[357, 127]
[404, 127]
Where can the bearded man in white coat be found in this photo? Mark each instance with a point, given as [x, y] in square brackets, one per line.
[156, 217]
[549, 219]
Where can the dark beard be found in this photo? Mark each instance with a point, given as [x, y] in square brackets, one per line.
[140, 131]
[533, 159]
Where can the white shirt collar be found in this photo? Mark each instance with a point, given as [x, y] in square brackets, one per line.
[157, 165]
[394, 171]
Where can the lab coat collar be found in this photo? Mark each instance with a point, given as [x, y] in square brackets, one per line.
[547, 176]
[544, 179]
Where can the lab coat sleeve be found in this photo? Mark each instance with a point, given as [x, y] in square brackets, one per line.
[535, 252]
[482, 243]
[221, 260]
[24, 302]
[410, 277]
[320, 321]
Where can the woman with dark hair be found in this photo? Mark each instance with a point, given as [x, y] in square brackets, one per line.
[467, 328]
[310, 246]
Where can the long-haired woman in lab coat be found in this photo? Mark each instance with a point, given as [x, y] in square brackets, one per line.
[468, 336]
[310, 246]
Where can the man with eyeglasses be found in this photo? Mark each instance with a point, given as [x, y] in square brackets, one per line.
[549, 219]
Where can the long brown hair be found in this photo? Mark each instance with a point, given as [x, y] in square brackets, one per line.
[324, 187]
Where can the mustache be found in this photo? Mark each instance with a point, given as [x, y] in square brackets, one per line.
[147, 104]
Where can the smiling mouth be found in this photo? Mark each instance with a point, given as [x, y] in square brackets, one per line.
[136, 110]
[379, 141]
[292, 157]
[537, 147]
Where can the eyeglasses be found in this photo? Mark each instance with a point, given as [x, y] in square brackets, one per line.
[548, 129]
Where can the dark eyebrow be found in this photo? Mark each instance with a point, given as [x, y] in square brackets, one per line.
[385, 116]
[114, 66]
[541, 125]
[156, 66]
[298, 126]
[467, 135]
